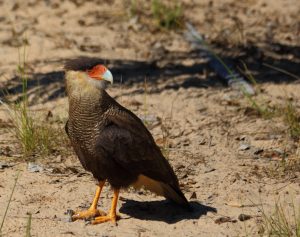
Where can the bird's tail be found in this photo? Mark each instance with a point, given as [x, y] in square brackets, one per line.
[163, 189]
[174, 194]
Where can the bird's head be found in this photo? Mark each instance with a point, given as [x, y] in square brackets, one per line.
[86, 73]
[99, 76]
[100, 73]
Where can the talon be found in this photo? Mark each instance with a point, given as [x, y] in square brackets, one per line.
[92, 211]
[102, 219]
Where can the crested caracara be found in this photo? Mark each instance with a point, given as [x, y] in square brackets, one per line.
[111, 141]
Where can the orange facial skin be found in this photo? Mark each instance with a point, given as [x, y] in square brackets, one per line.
[97, 71]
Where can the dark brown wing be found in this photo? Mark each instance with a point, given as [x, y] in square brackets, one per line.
[129, 142]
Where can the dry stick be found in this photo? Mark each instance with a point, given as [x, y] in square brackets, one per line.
[9, 201]
[282, 71]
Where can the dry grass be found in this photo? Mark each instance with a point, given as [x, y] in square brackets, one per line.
[288, 115]
[167, 16]
[292, 119]
[288, 111]
[35, 136]
[281, 223]
[261, 109]
[162, 15]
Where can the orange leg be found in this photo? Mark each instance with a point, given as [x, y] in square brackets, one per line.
[92, 211]
[112, 216]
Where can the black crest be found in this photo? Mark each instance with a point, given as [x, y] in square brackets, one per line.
[82, 63]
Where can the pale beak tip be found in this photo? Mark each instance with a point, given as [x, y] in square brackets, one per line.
[107, 76]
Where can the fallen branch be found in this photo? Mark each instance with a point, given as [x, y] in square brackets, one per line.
[224, 70]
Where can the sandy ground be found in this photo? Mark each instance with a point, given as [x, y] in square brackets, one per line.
[224, 155]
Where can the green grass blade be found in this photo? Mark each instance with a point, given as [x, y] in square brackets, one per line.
[28, 226]
[9, 201]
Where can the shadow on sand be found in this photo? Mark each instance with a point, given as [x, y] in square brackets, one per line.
[44, 87]
[164, 211]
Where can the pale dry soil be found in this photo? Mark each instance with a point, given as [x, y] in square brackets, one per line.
[205, 129]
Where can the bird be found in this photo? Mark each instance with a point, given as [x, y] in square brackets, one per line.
[112, 142]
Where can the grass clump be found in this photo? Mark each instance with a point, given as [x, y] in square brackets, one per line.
[167, 16]
[262, 110]
[288, 166]
[133, 8]
[157, 14]
[288, 111]
[34, 136]
[281, 223]
[23, 123]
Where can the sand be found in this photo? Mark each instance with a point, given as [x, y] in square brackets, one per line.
[211, 134]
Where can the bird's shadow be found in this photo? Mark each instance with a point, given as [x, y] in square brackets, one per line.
[164, 211]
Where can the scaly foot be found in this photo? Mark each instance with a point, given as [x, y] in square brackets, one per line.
[112, 216]
[102, 219]
[88, 214]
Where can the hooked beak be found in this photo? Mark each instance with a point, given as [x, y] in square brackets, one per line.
[107, 76]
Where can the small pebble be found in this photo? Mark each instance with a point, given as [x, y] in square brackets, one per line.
[33, 168]
[244, 147]
[244, 217]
